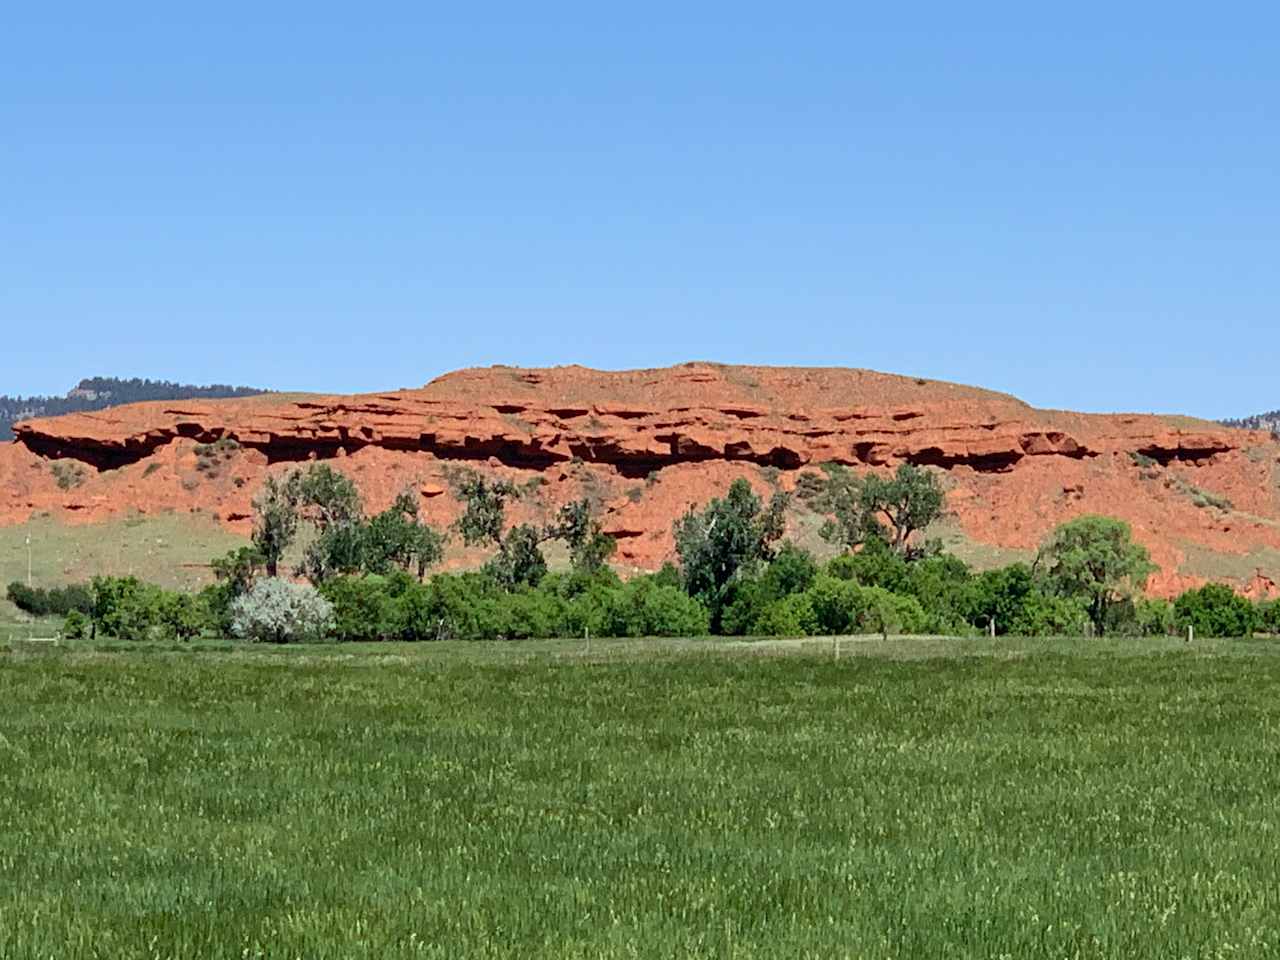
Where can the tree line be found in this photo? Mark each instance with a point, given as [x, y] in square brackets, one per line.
[365, 577]
[96, 393]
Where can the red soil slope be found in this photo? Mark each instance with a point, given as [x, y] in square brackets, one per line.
[646, 444]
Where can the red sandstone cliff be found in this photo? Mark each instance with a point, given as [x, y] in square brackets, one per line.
[647, 443]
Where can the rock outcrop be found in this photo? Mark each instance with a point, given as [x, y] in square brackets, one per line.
[646, 444]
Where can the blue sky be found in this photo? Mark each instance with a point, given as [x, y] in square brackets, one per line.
[1075, 203]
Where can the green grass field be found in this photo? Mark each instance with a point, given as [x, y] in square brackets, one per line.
[1017, 799]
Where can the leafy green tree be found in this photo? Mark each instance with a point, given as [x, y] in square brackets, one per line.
[396, 538]
[1094, 559]
[1215, 610]
[345, 541]
[871, 507]
[1000, 596]
[330, 503]
[747, 599]
[728, 539]
[876, 564]
[275, 521]
[519, 561]
[837, 605]
[125, 607]
[238, 568]
[589, 547]
[942, 584]
[180, 616]
[324, 497]
[484, 518]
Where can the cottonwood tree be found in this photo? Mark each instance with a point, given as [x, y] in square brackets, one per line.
[275, 522]
[519, 560]
[1093, 559]
[891, 509]
[345, 540]
[589, 547]
[726, 540]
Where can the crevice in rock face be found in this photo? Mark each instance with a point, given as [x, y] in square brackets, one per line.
[99, 456]
[999, 462]
[1166, 455]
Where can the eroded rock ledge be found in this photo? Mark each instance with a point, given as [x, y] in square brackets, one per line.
[640, 421]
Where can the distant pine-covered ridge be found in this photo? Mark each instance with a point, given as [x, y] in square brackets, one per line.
[95, 393]
[1262, 421]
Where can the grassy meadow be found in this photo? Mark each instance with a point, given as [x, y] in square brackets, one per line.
[915, 798]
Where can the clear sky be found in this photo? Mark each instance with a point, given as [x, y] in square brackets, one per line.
[1076, 203]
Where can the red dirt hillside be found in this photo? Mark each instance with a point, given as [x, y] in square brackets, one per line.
[645, 444]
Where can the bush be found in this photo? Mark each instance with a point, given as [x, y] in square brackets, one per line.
[363, 608]
[885, 612]
[836, 604]
[125, 607]
[76, 626]
[276, 611]
[180, 616]
[875, 565]
[1045, 615]
[792, 616]
[1268, 616]
[645, 607]
[466, 606]
[51, 601]
[942, 585]
[128, 609]
[999, 597]
[1142, 617]
[1215, 610]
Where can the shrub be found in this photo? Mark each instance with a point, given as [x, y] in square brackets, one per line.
[363, 608]
[885, 612]
[180, 616]
[1268, 616]
[67, 475]
[76, 626]
[125, 607]
[876, 564]
[1048, 615]
[791, 571]
[836, 605]
[942, 585]
[1215, 610]
[464, 606]
[792, 616]
[999, 596]
[276, 611]
[51, 601]
[646, 607]
[1142, 617]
